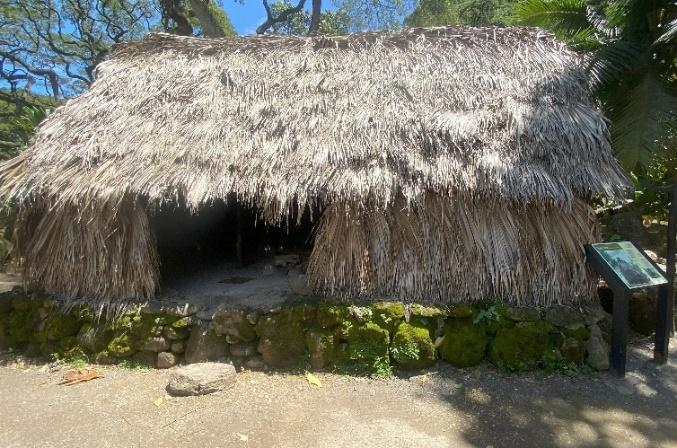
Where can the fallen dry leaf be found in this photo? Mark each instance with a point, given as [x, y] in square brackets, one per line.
[158, 402]
[312, 379]
[79, 376]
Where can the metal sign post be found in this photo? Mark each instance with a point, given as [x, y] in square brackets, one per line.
[626, 268]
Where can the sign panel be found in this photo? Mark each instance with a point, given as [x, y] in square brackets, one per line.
[629, 264]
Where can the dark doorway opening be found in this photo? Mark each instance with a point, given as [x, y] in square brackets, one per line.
[225, 251]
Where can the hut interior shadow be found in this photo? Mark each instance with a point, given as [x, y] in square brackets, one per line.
[225, 253]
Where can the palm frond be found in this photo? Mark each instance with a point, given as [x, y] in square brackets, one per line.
[610, 63]
[568, 19]
[642, 120]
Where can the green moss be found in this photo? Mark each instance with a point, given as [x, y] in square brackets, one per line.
[67, 344]
[368, 342]
[58, 326]
[235, 325]
[321, 347]
[143, 327]
[183, 323]
[522, 346]
[573, 350]
[22, 303]
[21, 326]
[388, 315]
[464, 342]
[94, 336]
[121, 346]
[427, 311]
[6, 303]
[579, 332]
[412, 347]
[460, 310]
[105, 358]
[303, 313]
[176, 333]
[282, 339]
[329, 316]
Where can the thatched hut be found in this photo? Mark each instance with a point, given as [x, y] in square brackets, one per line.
[448, 164]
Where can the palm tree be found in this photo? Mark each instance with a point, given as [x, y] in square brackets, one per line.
[629, 48]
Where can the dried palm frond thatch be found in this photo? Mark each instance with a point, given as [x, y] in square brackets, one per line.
[454, 251]
[489, 118]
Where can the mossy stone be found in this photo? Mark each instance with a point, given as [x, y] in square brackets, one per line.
[144, 327]
[22, 303]
[521, 346]
[94, 336]
[321, 347]
[234, 325]
[522, 313]
[282, 342]
[427, 311]
[580, 332]
[58, 326]
[48, 349]
[388, 315]
[121, 346]
[176, 334]
[4, 336]
[67, 344]
[329, 316]
[412, 347]
[6, 303]
[464, 342]
[105, 358]
[368, 342]
[573, 350]
[304, 312]
[22, 326]
[460, 310]
[183, 323]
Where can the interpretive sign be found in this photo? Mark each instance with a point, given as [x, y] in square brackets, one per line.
[632, 267]
[625, 268]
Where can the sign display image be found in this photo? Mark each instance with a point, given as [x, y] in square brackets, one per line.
[631, 266]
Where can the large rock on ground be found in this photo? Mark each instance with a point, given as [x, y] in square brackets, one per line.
[205, 345]
[202, 378]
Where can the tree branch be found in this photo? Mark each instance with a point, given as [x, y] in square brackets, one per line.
[282, 17]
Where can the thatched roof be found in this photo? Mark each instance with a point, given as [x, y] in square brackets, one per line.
[452, 163]
[494, 113]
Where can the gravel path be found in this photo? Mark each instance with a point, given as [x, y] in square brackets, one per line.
[443, 408]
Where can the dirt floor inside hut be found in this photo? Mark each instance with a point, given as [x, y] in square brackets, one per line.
[443, 407]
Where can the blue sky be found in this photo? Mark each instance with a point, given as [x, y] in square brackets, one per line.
[249, 14]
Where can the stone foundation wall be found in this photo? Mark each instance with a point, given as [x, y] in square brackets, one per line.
[356, 339]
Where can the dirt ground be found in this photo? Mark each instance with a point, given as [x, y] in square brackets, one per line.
[444, 407]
